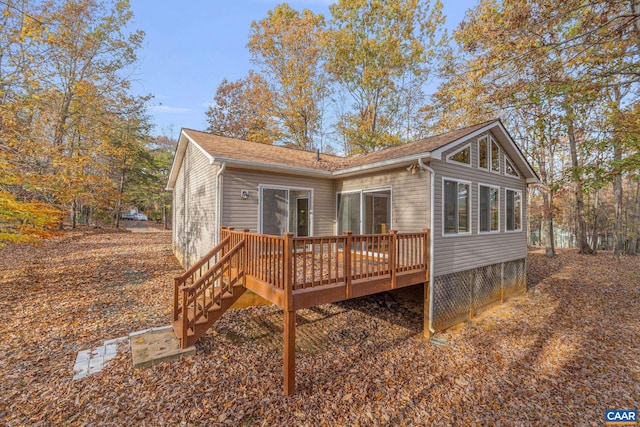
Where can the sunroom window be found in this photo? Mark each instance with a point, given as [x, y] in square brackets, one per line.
[462, 156]
[514, 210]
[489, 208]
[488, 154]
[509, 169]
[456, 207]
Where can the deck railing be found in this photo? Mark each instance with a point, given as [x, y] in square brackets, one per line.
[316, 261]
[265, 258]
[311, 262]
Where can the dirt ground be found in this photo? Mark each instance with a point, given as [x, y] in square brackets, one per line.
[560, 355]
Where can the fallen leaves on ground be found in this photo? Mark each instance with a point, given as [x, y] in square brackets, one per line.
[561, 354]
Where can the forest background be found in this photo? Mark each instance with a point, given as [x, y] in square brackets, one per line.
[77, 146]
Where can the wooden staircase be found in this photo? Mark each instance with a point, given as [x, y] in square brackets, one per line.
[207, 289]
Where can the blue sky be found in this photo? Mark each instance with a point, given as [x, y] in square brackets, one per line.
[191, 46]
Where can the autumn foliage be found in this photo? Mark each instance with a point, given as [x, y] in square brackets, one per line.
[69, 130]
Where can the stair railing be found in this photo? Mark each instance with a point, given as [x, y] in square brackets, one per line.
[200, 296]
[196, 271]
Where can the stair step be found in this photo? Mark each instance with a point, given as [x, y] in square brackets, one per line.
[177, 328]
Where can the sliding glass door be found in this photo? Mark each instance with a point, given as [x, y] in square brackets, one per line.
[364, 212]
[275, 211]
[285, 210]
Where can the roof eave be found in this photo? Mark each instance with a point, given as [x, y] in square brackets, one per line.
[246, 164]
[385, 164]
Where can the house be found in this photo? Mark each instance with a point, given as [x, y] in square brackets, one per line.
[468, 187]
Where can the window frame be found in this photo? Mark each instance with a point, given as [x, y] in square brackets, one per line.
[506, 214]
[507, 159]
[494, 187]
[469, 205]
[489, 145]
[464, 147]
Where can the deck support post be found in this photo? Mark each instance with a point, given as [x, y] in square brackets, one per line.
[289, 352]
[393, 243]
[289, 317]
[346, 263]
[427, 307]
[426, 252]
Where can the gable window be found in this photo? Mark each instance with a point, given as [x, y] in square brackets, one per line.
[488, 154]
[489, 202]
[514, 210]
[509, 169]
[456, 207]
[462, 156]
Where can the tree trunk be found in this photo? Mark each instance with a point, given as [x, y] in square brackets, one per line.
[164, 214]
[576, 173]
[618, 228]
[594, 243]
[547, 205]
[618, 225]
[633, 245]
[547, 201]
[74, 213]
[120, 192]
[61, 125]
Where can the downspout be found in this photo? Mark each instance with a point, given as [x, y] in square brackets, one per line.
[218, 202]
[431, 220]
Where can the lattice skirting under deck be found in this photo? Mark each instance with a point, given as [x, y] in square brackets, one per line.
[460, 296]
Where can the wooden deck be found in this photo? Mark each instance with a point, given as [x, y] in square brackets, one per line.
[295, 273]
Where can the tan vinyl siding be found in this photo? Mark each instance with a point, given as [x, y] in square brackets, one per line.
[454, 253]
[195, 211]
[178, 217]
[243, 213]
[410, 195]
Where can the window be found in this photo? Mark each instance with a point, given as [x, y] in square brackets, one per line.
[463, 156]
[489, 202]
[483, 153]
[488, 154]
[514, 210]
[456, 207]
[509, 169]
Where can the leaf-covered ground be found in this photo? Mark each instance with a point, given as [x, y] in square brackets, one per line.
[559, 355]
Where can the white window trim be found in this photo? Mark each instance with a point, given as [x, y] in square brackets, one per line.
[493, 141]
[490, 141]
[288, 188]
[459, 181]
[497, 187]
[362, 193]
[464, 147]
[521, 209]
[507, 159]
